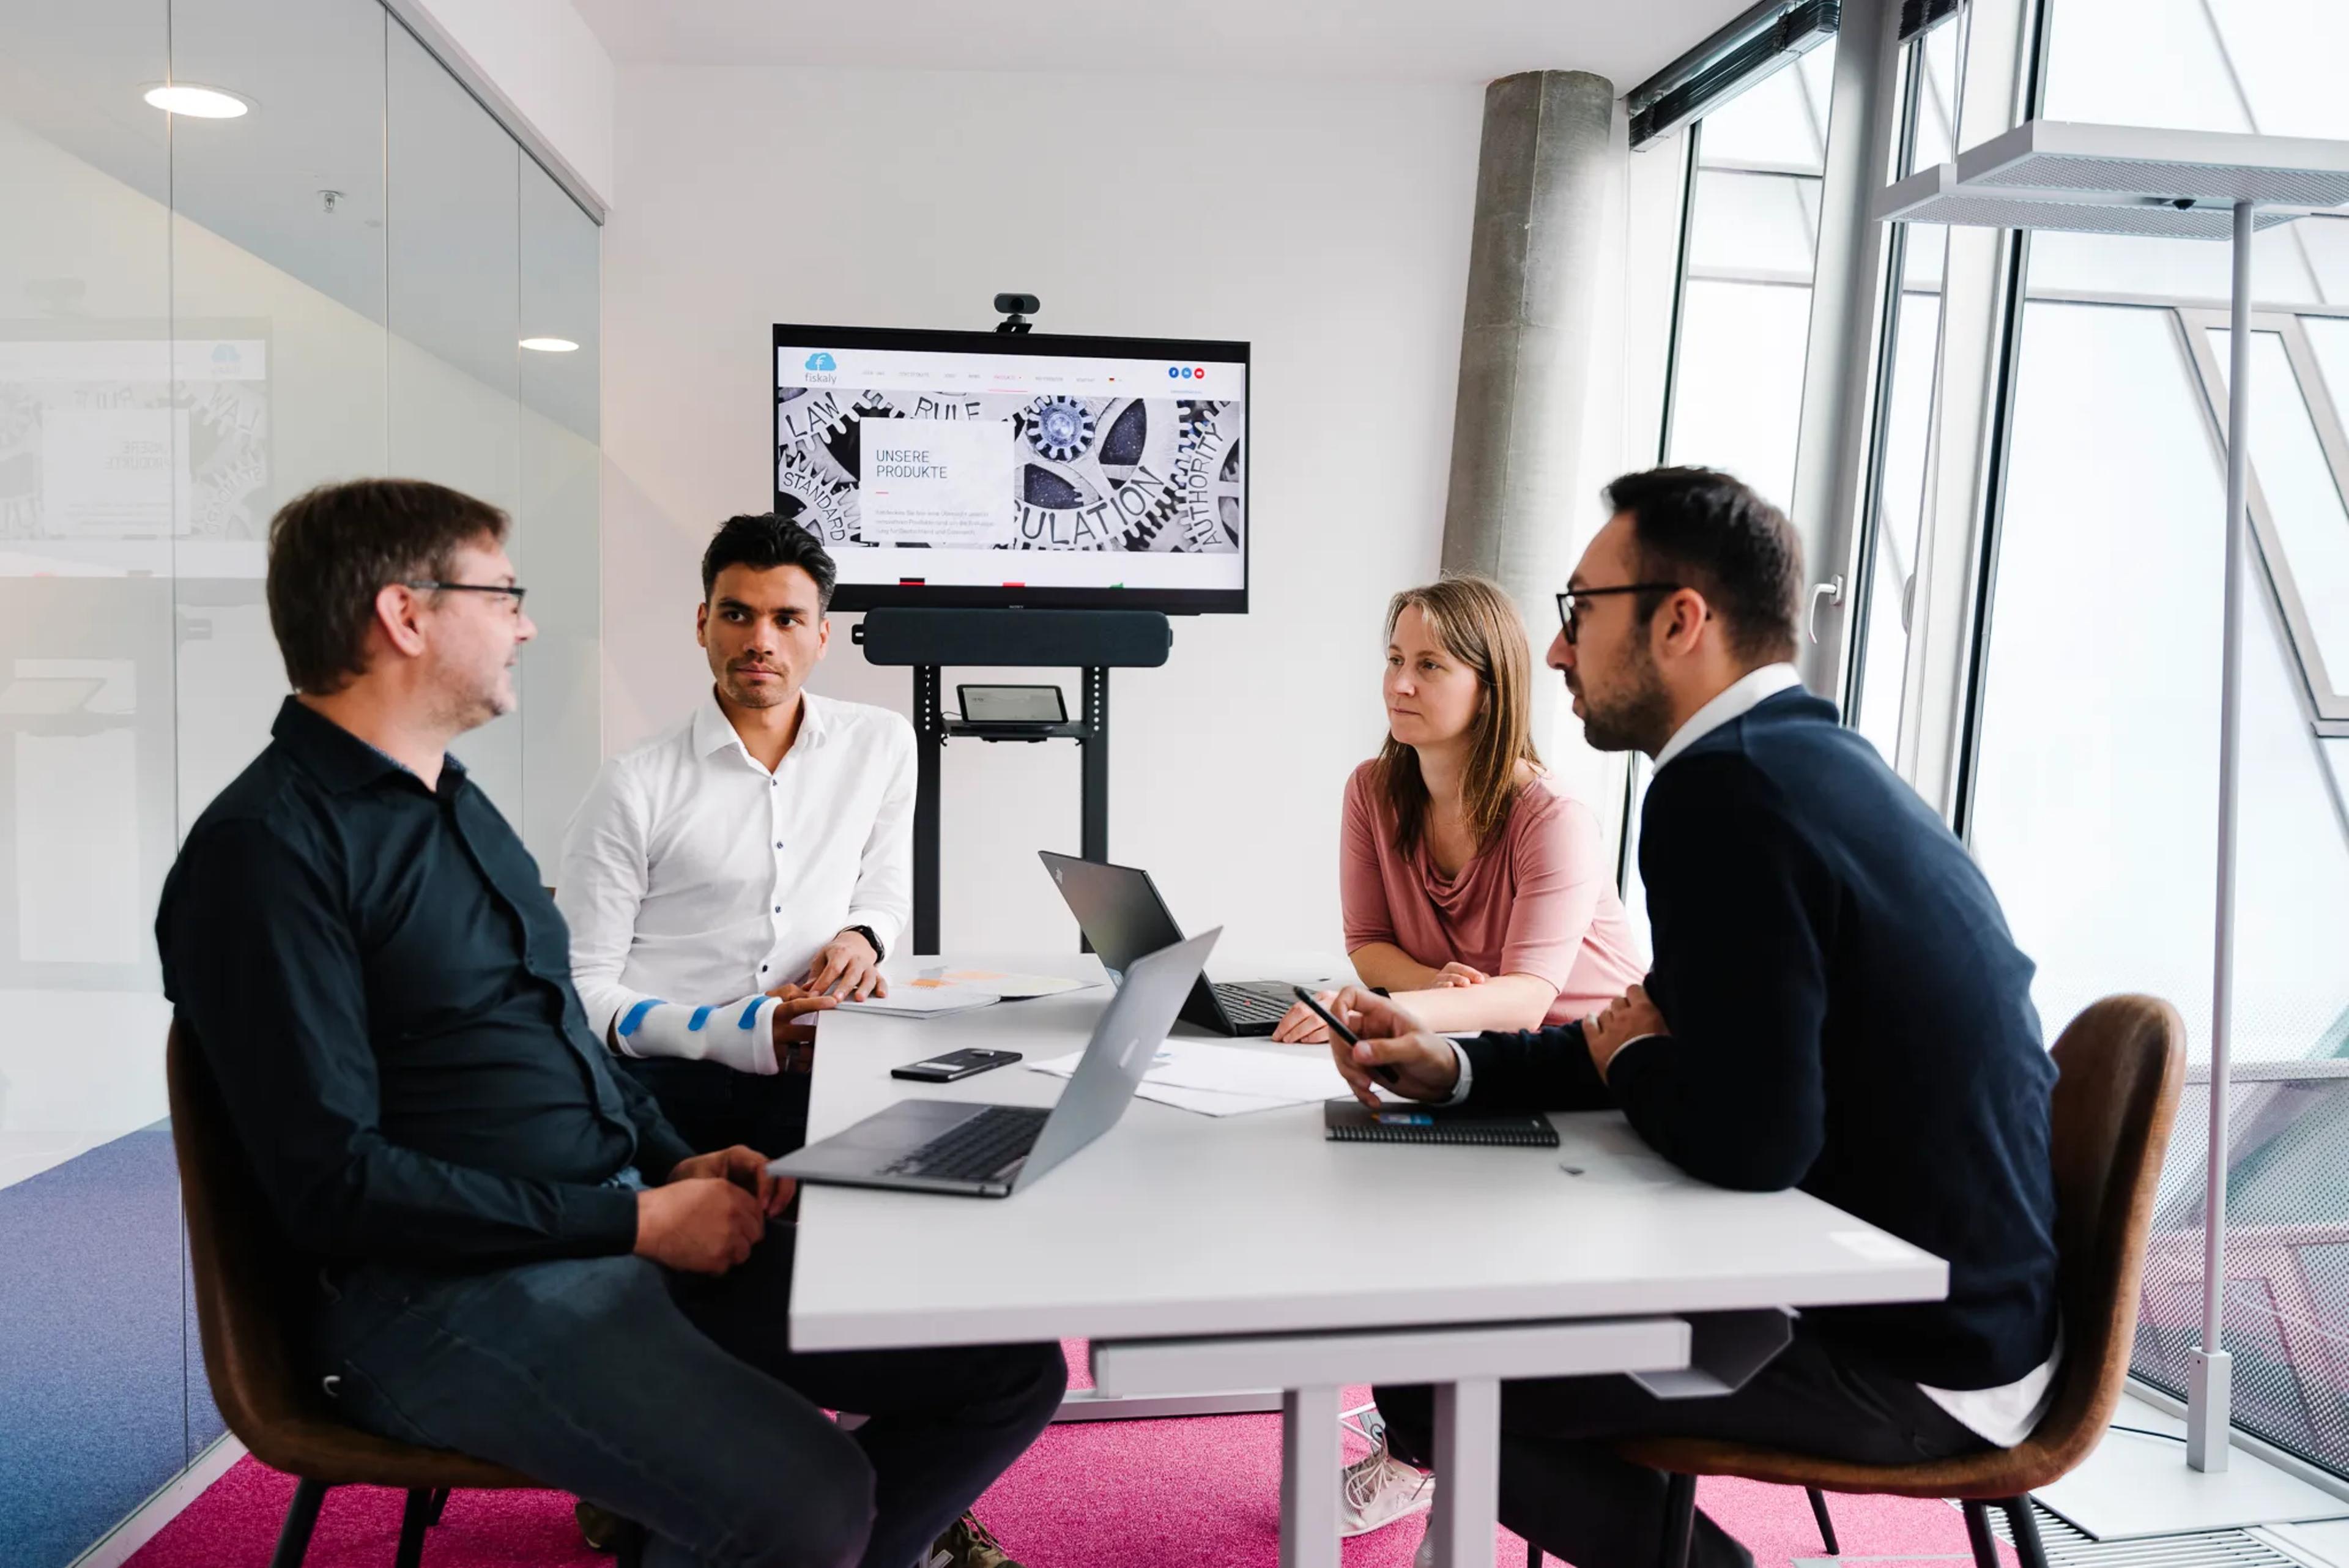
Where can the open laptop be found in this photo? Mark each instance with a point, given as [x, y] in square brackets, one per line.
[993, 1151]
[1120, 912]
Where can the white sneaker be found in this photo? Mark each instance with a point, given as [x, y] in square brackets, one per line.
[1380, 1489]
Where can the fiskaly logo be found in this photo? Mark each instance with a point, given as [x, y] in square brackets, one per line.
[820, 360]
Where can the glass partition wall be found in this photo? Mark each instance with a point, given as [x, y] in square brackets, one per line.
[201, 318]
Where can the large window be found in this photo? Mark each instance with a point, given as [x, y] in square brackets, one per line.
[2095, 773]
[1745, 310]
[1884, 605]
[1753, 235]
[199, 319]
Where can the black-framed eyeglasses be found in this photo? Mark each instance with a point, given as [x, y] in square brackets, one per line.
[513, 591]
[1569, 611]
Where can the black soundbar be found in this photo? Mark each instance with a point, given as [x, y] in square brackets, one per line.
[1130, 639]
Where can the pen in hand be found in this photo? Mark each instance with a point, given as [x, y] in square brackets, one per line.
[1386, 1074]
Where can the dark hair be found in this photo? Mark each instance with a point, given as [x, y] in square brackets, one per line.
[1704, 530]
[763, 541]
[333, 549]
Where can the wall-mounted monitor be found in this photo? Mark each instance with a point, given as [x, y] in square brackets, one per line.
[982, 470]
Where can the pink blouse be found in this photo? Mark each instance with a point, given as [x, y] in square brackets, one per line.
[1539, 900]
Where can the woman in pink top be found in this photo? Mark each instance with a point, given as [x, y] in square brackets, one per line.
[1474, 890]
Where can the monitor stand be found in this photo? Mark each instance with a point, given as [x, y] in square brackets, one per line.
[929, 640]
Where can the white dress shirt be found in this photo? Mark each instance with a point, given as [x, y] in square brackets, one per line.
[694, 880]
[2003, 1416]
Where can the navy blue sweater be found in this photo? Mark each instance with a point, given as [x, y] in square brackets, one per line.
[1848, 1015]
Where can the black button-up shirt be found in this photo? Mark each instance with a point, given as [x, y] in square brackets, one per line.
[382, 989]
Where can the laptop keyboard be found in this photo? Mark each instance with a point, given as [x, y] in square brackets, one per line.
[1249, 1006]
[977, 1148]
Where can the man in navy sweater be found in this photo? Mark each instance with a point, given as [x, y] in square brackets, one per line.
[1836, 1005]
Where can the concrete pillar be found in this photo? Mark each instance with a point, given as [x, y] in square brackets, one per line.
[1533, 264]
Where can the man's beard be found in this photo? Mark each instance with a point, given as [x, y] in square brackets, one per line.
[1637, 717]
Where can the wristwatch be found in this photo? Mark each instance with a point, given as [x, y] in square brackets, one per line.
[866, 932]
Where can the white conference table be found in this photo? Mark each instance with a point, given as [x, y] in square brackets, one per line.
[1203, 1254]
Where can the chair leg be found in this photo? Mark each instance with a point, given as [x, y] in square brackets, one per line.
[1533, 1555]
[1827, 1520]
[439, 1505]
[1978, 1533]
[628, 1545]
[301, 1519]
[1680, 1520]
[414, 1519]
[2022, 1519]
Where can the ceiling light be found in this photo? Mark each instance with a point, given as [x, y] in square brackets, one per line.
[196, 102]
[550, 345]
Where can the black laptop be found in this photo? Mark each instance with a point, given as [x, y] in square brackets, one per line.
[1123, 917]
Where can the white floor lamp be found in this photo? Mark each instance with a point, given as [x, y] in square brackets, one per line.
[2173, 184]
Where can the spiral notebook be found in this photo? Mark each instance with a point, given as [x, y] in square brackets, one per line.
[1350, 1121]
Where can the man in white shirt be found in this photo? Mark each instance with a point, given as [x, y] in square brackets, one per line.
[749, 867]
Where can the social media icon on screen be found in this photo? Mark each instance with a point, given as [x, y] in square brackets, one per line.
[1172, 371]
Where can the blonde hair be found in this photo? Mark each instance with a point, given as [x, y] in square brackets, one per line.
[1473, 620]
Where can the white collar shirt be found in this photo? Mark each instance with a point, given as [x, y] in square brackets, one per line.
[693, 875]
[1734, 701]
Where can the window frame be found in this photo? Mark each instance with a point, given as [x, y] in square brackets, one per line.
[2323, 693]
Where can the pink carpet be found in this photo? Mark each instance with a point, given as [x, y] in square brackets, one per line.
[1132, 1494]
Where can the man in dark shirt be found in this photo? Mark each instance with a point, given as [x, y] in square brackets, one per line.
[1836, 1005]
[521, 1260]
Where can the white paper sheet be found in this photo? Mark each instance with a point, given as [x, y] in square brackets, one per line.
[1208, 1102]
[1295, 1073]
[1197, 1076]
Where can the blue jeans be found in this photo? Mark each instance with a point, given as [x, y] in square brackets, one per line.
[674, 1400]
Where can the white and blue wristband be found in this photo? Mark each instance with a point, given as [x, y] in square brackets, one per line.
[740, 1033]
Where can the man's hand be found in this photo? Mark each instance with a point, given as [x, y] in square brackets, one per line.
[1624, 1020]
[746, 1168]
[1458, 973]
[1423, 1062]
[847, 968]
[1298, 1026]
[795, 1038]
[701, 1224]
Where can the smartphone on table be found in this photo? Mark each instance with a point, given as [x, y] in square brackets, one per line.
[954, 1064]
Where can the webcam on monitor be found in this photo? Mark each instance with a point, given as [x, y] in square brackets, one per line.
[1016, 309]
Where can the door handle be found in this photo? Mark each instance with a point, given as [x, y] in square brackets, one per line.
[1832, 591]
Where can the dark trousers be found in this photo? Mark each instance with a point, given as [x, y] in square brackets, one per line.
[673, 1401]
[1563, 1488]
[713, 1106]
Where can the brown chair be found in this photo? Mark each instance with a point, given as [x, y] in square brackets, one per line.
[2122, 1064]
[253, 1291]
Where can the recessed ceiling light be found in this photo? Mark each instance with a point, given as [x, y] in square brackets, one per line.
[195, 102]
[550, 345]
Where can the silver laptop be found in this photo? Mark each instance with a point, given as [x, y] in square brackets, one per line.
[993, 1151]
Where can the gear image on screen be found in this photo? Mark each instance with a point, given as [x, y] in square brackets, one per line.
[966, 469]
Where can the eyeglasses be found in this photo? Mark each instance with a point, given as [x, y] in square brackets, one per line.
[513, 591]
[1569, 611]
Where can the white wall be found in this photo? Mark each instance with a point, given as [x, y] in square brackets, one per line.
[1326, 222]
[543, 56]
